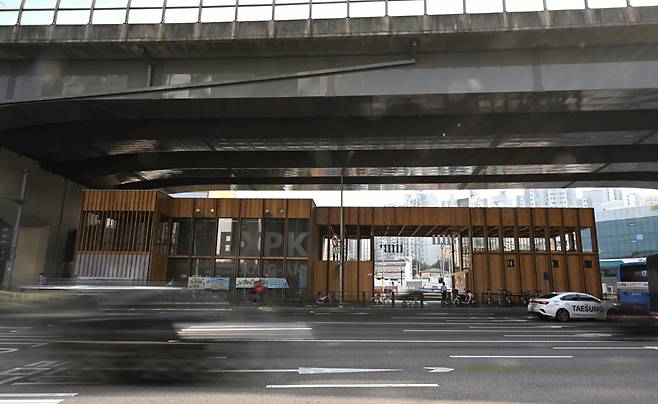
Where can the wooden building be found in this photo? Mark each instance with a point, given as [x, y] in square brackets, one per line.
[149, 236]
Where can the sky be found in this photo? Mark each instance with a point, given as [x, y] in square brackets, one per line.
[261, 10]
[397, 197]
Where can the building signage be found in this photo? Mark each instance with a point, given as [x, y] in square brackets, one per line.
[208, 282]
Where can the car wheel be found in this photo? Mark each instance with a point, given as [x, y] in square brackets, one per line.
[562, 315]
[613, 315]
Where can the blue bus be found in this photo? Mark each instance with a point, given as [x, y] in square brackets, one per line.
[633, 285]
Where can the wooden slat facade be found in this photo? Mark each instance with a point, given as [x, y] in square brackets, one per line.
[130, 226]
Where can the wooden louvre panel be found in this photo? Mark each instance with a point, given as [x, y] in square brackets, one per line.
[365, 216]
[251, 208]
[274, 208]
[570, 217]
[300, 209]
[478, 216]
[539, 216]
[228, 208]
[493, 216]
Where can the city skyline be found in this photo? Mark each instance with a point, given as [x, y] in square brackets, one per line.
[598, 198]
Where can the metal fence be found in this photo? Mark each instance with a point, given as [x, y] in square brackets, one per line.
[83, 12]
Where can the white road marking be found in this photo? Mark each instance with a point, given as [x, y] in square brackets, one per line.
[490, 321]
[208, 330]
[305, 370]
[19, 395]
[593, 334]
[253, 371]
[463, 331]
[11, 379]
[312, 371]
[554, 335]
[426, 341]
[53, 383]
[219, 357]
[7, 350]
[364, 385]
[433, 369]
[512, 356]
[519, 328]
[164, 309]
[30, 401]
[604, 348]
[442, 317]
[15, 343]
[435, 323]
[43, 363]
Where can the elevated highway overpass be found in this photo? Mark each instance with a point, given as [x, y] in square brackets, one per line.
[549, 98]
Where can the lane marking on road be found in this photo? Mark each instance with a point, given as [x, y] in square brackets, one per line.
[605, 348]
[43, 363]
[11, 379]
[253, 371]
[342, 386]
[305, 370]
[19, 395]
[30, 401]
[7, 350]
[444, 318]
[512, 356]
[423, 341]
[432, 369]
[164, 309]
[53, 383]
[213, 329]
[519, 328]
[485, 331]
[370, 323]
[496, 321]
[557, 335]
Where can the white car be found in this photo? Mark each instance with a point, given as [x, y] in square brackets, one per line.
[567, 305]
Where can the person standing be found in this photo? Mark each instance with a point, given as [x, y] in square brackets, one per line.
[444, 292]
[42, 279]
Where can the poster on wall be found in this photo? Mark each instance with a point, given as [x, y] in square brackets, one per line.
[208, 282]
[270, 283]
[246, 283]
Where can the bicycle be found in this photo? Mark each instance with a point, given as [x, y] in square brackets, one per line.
[525, 299]
[504, 298]
[327, 300]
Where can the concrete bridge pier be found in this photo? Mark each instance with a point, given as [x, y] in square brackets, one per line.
[49, 220]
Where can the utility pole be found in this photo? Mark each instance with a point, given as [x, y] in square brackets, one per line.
[6, 284]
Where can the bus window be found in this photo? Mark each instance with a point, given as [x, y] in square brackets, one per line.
[635, 273]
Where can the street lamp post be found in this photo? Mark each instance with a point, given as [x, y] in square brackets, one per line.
[6, 283]
[342, 244]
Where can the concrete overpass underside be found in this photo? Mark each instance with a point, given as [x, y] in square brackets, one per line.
[568, 99]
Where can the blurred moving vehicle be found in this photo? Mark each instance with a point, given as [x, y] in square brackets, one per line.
[564, 306]
[633, 286]
[116, 333]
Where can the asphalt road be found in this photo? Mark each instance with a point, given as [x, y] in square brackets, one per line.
[295, 355]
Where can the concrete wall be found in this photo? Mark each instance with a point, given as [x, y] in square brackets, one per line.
[50, 215]
[30, 255]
